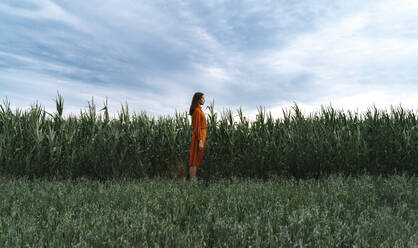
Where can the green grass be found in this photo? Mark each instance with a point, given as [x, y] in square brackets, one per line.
[365, 211]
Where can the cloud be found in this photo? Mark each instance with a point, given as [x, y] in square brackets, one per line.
[347, 57]
[156, 54]
[22, 91]
[44, 10]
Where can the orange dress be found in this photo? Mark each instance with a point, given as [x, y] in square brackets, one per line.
[199, 133]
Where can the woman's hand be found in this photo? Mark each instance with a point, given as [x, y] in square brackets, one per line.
[200, 145]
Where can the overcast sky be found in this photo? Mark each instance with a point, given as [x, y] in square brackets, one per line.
[155, 54]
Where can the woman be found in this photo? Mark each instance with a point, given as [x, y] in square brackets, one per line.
[199, 133]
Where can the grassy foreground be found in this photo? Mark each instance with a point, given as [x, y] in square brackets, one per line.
[365, 211]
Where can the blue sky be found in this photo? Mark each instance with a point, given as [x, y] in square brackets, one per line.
[155, 54]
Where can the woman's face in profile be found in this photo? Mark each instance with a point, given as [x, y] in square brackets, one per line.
[202, 100]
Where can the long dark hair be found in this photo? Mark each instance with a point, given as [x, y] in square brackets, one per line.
[195, 101]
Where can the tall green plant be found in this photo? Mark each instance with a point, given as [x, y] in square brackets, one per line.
[36, 143]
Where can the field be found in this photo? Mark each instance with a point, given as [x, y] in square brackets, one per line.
[35, 143]
[338, 211]
[326, 179]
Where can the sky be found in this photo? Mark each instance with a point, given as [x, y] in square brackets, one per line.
[154, 55]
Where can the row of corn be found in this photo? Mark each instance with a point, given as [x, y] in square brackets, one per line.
[36, 143]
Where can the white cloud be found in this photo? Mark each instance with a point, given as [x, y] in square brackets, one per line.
[354, 59]
[22, 90]
[336, 47]
[47, 10]
[382, 99]
[352, 54]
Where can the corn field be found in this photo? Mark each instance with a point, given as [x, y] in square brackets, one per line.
[35, 143]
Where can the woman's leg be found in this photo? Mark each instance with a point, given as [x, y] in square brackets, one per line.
[192, 172]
